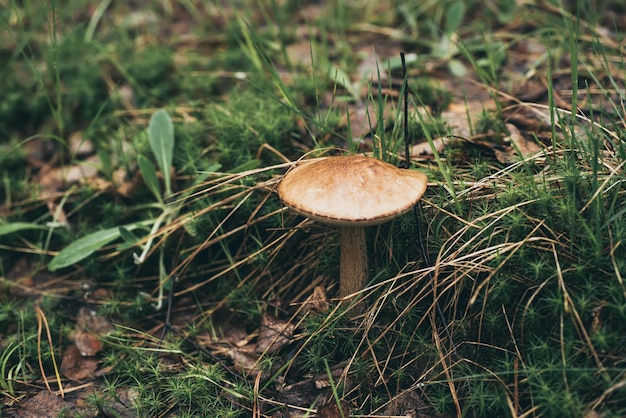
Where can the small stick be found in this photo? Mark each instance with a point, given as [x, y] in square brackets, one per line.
[405, 85]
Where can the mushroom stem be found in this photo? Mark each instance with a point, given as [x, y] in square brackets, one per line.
[353, 272]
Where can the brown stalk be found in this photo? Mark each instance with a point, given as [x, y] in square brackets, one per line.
[43, 321]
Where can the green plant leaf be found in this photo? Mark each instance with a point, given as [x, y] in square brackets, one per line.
[161, 136]
[506, 11]
[249, 165]
[149, 174]
[19, 226]
[128, 236]
[457, 68]
[85, 246]
[213, 168]
[454, 16]
[395, 62]
[342, 79]
[106, 163]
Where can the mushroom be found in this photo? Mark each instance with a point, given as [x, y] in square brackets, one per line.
[351, 192]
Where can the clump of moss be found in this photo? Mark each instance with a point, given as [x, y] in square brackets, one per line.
[243, 124]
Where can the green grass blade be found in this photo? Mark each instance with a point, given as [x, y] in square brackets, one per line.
[19, 226]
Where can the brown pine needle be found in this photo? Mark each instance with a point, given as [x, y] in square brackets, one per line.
[43, 321]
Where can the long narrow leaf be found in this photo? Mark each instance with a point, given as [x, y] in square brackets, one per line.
[149, 175]
[19, 226]
[161, 135]
[85, 246]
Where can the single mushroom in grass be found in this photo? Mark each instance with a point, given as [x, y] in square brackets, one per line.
[351, 192]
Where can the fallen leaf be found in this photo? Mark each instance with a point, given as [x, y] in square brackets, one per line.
[228, 327]
[332, 410]
[302, 53]
[592, 414]
[372, 67]
[407, 404]
[79, 146]
[524, 145]
[318, 301]
[26, 279]
[461, 117]
[43, 404]
[273, 334]
[305, 392]
[77, 367]
[53, 180]
[39, 151]
[117, 404]
[364, 118]
[439, 144]
[125, 187]
[89, 329]
[245, 358]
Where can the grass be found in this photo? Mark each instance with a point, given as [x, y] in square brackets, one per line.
[503, 295]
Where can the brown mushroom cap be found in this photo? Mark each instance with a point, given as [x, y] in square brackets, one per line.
[351, 190]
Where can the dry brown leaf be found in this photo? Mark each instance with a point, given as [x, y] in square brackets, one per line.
[119, 184]
[123, 186]
[229, 327]
[274, 334]
[39, 151]
[43, 404]
[322, 381]
[408, 404]
[331, 410]
[524, 145]
[461, 117]
[77, 367]
[26, 279]
[245, 358]
[89, 329]
[79, 146]
[302, 53]
[440, 144]
[318, 301]
[364, 119]
[305, 392]
[56, 179]
[371, 68]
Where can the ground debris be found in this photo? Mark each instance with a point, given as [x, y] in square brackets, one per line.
[274, 334]
[306, 393]
[333, 409]
[76, 404]
[90, 327]
[26, 279]
[79, 362]
[43, 404]
[407, 404]
[318, 301]
[77, 367]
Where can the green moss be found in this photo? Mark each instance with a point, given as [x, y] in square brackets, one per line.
[249, 119]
